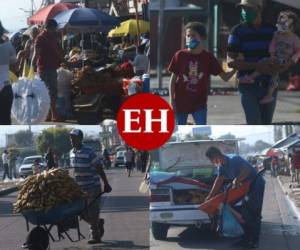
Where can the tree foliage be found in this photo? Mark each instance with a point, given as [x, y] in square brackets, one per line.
[24, 138]
[56, 138]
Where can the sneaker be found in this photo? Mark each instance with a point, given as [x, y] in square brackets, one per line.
[94, 241]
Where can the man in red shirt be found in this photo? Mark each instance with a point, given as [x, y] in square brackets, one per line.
[191, 69]
[295, 161]
[47, 59]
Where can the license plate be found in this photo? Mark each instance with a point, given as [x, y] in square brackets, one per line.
[166, 215]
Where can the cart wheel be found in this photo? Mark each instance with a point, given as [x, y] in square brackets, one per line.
[37, 239]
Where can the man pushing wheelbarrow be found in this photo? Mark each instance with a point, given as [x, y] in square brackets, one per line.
[87, 170]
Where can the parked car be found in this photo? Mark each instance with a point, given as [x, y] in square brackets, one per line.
[26, 166]
[120, 158]
[180, 182]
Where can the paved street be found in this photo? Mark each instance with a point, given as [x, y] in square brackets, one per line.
[125, 212]
[225, 108]
[280, 228]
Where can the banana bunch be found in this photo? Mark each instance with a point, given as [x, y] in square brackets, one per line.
[47, 190]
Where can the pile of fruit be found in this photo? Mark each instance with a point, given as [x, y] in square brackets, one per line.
[47, 190]
[89, 81]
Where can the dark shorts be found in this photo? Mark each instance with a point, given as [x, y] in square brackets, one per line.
[50, 79]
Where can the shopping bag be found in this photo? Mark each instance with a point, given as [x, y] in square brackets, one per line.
[144, 187]
[230, 227]
[31, 101]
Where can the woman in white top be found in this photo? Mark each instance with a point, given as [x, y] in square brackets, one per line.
[7, 58]
[141, 62]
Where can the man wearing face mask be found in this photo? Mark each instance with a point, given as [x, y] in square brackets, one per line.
[252, 39]
[191, 69]
[238, 170]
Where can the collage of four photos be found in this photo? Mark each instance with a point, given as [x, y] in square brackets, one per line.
[227, 175]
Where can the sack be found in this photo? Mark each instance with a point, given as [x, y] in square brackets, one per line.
[144, 187]
[31, 101]
[230, 227]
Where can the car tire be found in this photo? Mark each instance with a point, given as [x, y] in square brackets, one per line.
[159, 230]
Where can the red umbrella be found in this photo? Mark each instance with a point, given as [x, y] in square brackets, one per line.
[275, 152]
[49, 12]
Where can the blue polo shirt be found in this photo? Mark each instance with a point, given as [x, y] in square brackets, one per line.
[232, 168]
[252, 43]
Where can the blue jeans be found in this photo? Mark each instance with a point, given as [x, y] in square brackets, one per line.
[252, 208]
[200, 117]
[256, 113]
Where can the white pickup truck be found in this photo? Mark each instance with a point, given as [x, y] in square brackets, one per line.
[180, 183]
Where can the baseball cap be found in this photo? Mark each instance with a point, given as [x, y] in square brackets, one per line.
[76, 132]
[251, 3]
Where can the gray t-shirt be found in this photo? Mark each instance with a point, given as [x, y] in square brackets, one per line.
[8, 56]
[141, 62]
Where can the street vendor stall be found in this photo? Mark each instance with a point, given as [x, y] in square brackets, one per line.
[97, 86]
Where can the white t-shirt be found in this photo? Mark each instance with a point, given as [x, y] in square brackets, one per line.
[8, 56]
[141, 62]
[5, 158]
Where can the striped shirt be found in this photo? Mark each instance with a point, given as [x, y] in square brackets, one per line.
[84, 162]
[252, 43]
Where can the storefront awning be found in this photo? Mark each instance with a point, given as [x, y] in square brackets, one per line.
[292, 3]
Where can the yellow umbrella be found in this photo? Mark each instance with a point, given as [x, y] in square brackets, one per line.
[129, 27]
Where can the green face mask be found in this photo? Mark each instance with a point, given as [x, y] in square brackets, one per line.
[248, 15]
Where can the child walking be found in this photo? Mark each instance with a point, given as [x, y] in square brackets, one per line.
[191, 69]
[284, 50]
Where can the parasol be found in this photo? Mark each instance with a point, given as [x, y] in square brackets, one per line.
[85, 20]
[130, 27]
[49, 12]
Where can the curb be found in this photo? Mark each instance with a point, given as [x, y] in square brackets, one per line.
[290, 201]
[8, 191]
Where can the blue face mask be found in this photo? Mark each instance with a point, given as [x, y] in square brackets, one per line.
[193, 43]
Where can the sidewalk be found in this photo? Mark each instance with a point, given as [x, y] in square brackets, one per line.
[8, 186]
[292, 190]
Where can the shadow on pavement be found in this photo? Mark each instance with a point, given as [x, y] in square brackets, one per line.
[111, 245]
[193, 238]
[125, 204]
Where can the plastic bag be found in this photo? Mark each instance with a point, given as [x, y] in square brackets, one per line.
[230, 227]
[31, 101]
[144, 187]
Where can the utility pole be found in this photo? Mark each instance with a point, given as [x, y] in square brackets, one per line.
[160, 41]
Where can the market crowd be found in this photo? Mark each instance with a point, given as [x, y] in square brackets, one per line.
[56, 58]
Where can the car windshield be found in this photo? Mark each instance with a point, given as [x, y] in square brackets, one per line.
[31, 160]
[120, 154]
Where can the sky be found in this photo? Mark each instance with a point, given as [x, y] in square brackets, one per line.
[250, 133]
[12, 14]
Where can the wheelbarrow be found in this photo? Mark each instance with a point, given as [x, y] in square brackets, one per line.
[64, 217]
